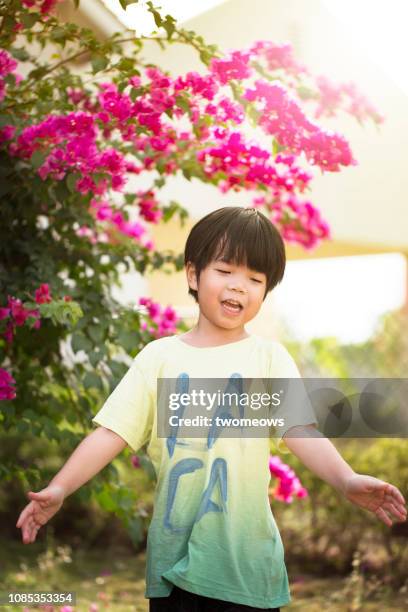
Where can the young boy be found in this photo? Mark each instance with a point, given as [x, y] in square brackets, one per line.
[213, 544]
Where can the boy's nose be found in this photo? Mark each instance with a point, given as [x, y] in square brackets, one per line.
[236, 286]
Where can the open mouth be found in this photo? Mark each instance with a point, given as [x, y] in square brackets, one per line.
[232, 306]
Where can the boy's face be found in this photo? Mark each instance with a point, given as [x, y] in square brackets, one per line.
[220, 282]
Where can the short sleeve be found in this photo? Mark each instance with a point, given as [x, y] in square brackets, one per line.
[129, 409]
[296, 409]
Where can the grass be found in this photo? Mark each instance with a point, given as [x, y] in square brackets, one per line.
[113, 580]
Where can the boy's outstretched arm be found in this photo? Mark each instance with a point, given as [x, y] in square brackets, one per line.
[321, 457]
[92, 454]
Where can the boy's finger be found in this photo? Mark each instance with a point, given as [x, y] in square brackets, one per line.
[27, 532]
[22, 518]
[24, 514]
[30, 534]
[19, 520]
[41, 495]
[394, 509]
[396, 494]
[383, 516]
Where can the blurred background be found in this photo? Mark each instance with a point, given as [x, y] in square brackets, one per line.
[343, 287]
[341, 310]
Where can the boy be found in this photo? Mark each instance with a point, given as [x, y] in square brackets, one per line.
[213, 544]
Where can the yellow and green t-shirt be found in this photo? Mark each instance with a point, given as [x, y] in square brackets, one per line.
[212, 531]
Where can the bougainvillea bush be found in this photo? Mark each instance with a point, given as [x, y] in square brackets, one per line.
[85, 154]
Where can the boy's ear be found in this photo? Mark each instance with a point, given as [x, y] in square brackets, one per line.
[191, 276]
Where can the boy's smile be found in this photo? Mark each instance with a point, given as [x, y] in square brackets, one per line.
[229, 296]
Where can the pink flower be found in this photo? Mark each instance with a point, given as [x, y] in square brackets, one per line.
[8, 334]
[234, 66]
[42, 295]
[135, 81]
[7, 133]
[277, 56]
[189, 123]
[7, 63]
[288, 483]
[135, 461]
[45, 6]
[18, 312]
[4, 313]
[164, 320]
[7, 383]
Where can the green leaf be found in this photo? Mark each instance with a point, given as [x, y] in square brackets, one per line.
[169, 25]
[135, 529]
[253, 115]
[71, 181]
[61, 312]
[8, 23]
[92, 380]
[205, 57]
[130, 198]
[99, 62]
[306, 93]
[126, 64]
[61, 191]
[105, 500]
[96, 333]
[19, 54]
[29, 19]
[129, 340]
[58, 34]
[95, 357]
[160, 182]
[22, 427]
[183, 103]
[276, 147]
[80, 342]
[37, 159]
[125, 3]
[158, 20]
[148, 467]
[135, 92]
[6, 119]
[118, 369]
[37, 73]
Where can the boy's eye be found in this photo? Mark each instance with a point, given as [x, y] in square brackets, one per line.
[256, 280]
[223, 271]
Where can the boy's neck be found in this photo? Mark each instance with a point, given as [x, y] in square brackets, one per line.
[202, 335]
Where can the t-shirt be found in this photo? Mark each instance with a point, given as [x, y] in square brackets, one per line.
[212, 531]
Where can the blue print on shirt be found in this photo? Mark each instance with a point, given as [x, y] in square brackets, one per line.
[234, 386]
[219, 468]
[185, 466]
[182, 385]
[218, 477]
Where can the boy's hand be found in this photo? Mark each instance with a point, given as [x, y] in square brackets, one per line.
[380, 497]
[42, 507]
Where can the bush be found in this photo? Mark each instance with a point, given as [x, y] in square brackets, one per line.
[324, 532]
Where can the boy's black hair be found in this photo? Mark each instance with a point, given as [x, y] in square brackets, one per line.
[243, 236]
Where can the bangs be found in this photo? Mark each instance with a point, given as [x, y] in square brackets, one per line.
[243, 236]
[245, 244]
